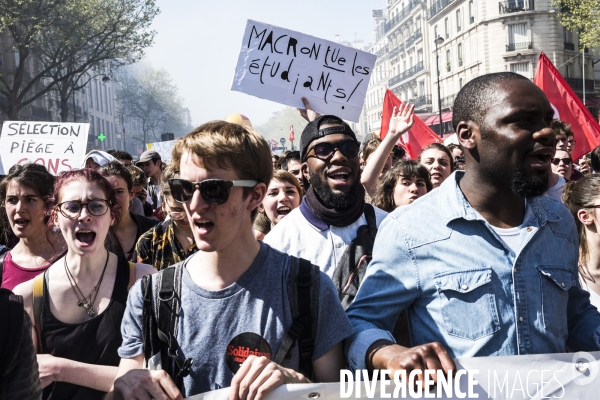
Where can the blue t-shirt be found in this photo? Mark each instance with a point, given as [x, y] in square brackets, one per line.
[214, 325]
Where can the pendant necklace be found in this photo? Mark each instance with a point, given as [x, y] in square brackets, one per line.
[82, 300]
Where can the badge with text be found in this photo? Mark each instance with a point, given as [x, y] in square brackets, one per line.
[243, 346]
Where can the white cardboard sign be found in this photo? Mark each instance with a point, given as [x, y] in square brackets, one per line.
[59, 146]
[282, 65]
[163, 148]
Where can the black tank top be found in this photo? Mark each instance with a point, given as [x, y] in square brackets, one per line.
[92, 342]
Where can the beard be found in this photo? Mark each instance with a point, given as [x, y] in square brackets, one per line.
[338, 200]
[528, 186]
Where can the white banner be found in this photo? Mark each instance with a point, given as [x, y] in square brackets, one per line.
[59, 146]
[165, 149]
[544, 376]
[282, 65]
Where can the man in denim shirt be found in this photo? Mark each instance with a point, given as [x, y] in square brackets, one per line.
[484, 264]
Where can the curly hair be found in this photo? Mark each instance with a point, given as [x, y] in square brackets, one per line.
[384, 194]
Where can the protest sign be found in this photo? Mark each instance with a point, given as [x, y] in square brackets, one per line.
[59, 146]
[542, 376]
[163, 148]
[282, 65]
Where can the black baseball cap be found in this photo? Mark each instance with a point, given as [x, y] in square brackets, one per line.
[313, 131]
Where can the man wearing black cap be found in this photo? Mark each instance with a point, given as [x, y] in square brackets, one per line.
[333, 209]
[151, 163]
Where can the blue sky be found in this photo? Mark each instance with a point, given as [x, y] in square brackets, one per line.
[198, 42]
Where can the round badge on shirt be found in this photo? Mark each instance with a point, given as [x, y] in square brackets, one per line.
[243, 346]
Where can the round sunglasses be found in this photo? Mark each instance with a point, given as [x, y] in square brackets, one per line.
[213, 191]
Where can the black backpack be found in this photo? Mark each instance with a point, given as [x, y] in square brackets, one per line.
[11, 318]
[351, 268]
[159, 327]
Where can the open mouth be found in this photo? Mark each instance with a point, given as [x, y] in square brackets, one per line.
[85, 236]
[540, 159]
[21, 223]
[204, 226]
[283, 211]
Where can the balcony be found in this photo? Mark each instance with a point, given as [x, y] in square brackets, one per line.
[382, 51]
[397, 50]
[519, 46]
[400, 16]
[438, 6]
[421, 101]
[406, 74]
[569, 46]
[577, 85]
[414, 37]
[448, 101]
[508, 7]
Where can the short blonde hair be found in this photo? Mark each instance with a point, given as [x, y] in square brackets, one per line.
[228, 146]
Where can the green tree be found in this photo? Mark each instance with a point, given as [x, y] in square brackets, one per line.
[151, 99]
[581, 15]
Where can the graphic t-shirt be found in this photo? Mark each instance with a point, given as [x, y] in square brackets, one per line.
[251, 315]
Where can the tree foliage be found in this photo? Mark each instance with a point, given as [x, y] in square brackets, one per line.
[150, 99]
[581, 15]
[66, 41]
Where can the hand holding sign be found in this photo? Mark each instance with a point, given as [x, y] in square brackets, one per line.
[282, 65]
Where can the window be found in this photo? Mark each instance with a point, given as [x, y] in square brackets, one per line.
[460, 54]
[520, 68]
[420, 56]
[418, 22]
[471, 12]
[447, 28]
[98, 104]
[435, 31]
[569, 68]
[458, 21]
[422, 88]
[460, 83]
[448, 60]
[473, 48]
[568, 35]
[410, 60]
[517, 34]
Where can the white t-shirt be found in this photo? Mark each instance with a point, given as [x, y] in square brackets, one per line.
[555, 192]
[513, 237]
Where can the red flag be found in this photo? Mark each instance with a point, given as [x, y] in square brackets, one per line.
[291, 133]
[417, 138]
[568, 106]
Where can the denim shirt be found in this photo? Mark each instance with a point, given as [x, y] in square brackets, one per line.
[463, 287]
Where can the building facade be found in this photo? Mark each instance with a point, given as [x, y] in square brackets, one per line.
[479, 37]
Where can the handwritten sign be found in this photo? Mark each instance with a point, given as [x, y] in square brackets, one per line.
[163, 148]
[282, 65]
[59, 146]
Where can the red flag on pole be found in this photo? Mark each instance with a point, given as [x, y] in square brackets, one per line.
[291, 133]
[417, 138]
[568, 107]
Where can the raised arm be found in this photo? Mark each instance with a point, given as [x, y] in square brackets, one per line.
[307, 112]
[400, 122]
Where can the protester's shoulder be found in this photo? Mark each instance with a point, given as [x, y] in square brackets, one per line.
[380, 214]
[555, 209]
[143, 222]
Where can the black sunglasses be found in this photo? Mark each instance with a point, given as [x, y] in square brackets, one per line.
[325, 150]
[566, 161]
[213, 191]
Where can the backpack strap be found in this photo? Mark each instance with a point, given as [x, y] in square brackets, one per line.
[131, 275]
[2, 256]
[169, 305]
[38, 302]
[371, 219]
[304, 296]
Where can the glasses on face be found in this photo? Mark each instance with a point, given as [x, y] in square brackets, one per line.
[325, 150]
[72, 209]
[213, 191]
[566, 161]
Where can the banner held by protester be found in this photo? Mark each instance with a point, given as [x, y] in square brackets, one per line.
[58, 146]
[163, 148]
[282, 65]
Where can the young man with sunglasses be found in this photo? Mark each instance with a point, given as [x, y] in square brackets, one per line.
[333, 208]
[235, 292]
[561, 171]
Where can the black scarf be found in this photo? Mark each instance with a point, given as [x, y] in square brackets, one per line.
[334, 216]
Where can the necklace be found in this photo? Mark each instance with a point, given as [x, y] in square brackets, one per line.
[82, 300]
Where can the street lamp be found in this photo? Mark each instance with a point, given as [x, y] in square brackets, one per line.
[438, 41]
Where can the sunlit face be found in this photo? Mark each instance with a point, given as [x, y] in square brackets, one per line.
[217, 227]
[84, 234]
[408, 190]
[562, 164]
[438, 164]
[25, 210]
[151, 168]
[177, 212]
[282, 197]
[122, 192]
[294, 167]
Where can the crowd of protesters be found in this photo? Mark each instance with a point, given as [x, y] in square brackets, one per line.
[234, 267]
